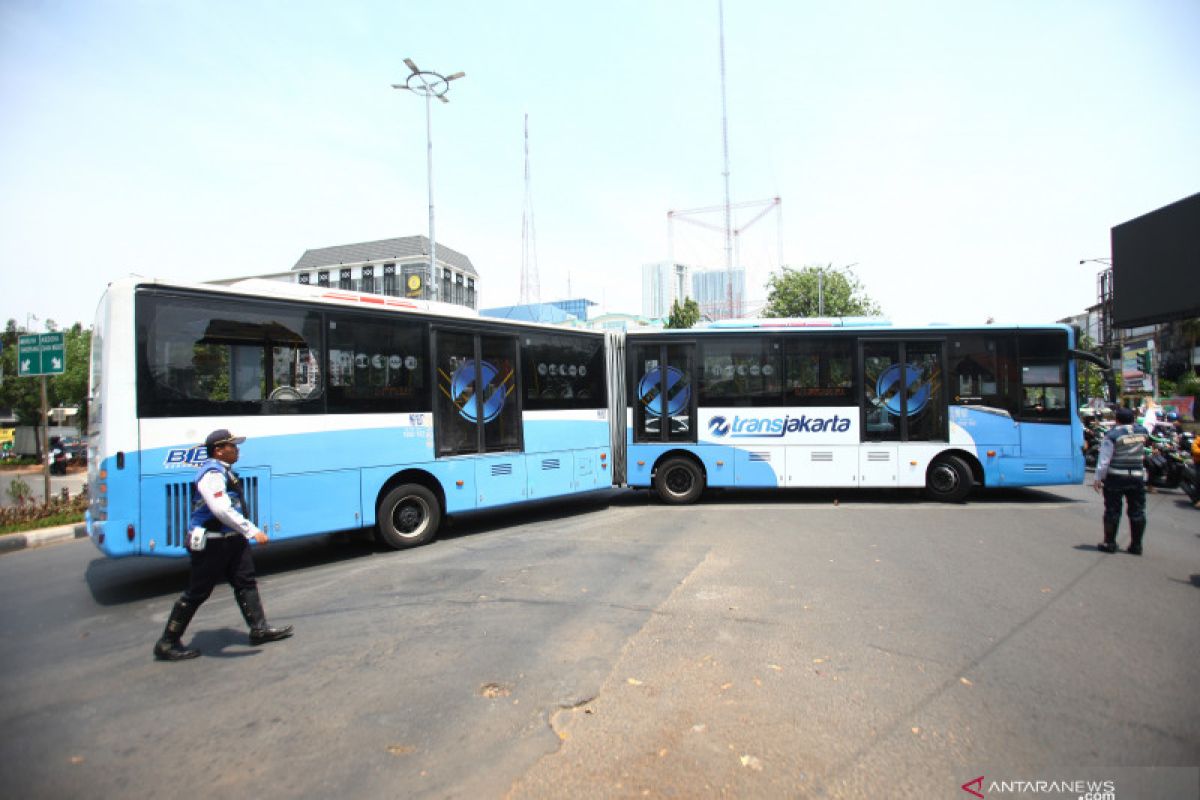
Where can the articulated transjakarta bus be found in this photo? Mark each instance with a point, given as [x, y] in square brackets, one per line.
[363, 411]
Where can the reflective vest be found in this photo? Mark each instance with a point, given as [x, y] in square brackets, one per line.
[202, 516]
[1129, 446]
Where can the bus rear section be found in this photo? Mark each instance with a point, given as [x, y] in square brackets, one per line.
[934, 408]
[354, 417]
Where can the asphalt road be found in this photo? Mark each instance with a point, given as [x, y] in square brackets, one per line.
[858, 644]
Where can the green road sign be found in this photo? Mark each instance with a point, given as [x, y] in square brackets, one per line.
[40, 354]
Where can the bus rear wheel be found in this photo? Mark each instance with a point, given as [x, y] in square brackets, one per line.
[679, 481]
[949, 479]
[408, 516]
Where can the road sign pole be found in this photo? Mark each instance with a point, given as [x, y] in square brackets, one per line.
[45, 444]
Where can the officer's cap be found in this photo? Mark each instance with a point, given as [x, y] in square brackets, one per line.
[221, 436]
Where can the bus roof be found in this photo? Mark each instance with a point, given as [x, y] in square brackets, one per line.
[329, 295]
[868, 324]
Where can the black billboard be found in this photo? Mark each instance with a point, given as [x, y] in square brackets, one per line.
[1156, 265]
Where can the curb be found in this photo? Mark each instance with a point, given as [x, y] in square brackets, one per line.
[42, 536]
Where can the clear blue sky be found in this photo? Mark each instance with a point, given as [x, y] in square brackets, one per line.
[965, 155]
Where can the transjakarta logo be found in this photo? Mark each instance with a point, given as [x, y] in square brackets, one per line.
[744, 427]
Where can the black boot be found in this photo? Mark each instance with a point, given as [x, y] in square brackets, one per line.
[168, 648]
[1136, 529]
[260, 632]
[1109, 545]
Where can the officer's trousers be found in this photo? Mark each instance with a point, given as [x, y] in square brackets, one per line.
[226, 559]
[1128, 488]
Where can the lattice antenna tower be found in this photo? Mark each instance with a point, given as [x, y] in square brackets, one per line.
[530, 291]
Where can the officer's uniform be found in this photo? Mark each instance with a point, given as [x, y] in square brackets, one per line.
[219, 548]
[225, 554]
[1121, 473]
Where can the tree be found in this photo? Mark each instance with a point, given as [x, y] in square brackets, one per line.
[23, 395]
[818, 291]
[685, 315]
[1090, 380]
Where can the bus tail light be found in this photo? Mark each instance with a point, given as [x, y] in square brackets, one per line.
[103, 474]
[129, 534]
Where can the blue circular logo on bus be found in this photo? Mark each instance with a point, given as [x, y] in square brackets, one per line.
[464, 383]
[889, 390]
[679, 391]
[718, 426]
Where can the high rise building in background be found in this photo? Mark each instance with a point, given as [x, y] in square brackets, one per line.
[663, 284]
[712, 292]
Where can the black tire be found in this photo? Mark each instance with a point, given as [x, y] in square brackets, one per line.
[679, 481]
[408, 516]
[949, 479]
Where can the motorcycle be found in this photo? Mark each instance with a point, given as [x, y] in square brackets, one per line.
[1189, 480]
[1165, 465]
[59, 459]
[1092, 437]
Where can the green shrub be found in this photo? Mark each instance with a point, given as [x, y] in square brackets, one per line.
[28, 514]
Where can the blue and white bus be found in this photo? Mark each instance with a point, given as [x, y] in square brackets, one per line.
[851, 403]
[361, 411]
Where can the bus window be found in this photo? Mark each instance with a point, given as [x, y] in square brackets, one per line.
[561, 371]
[209, 358]
[984, 372]
[377, 365]
[741, 372]
[1044, 378]
[819, 371]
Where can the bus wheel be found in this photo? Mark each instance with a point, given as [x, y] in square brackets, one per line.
[948, 480]
[679, 481]
[408, 516]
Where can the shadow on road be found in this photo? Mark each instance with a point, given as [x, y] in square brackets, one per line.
[856, 497]
[129, 580]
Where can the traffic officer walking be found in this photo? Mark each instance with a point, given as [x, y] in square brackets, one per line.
[219, 547]
[1120, 474]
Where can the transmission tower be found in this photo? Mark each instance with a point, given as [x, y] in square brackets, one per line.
[530, 292]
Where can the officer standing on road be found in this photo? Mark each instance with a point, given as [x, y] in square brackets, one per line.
[1119, 473]
[219, 547]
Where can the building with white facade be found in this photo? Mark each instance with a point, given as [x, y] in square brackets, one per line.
[395, 267]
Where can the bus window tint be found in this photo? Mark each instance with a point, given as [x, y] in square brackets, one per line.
[984, 372]
[1044, 377]
[561, 371]
[820, 371]
[741, 372]
[377, 365]
[210, 358]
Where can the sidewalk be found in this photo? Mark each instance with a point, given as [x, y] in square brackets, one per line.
[42, 536]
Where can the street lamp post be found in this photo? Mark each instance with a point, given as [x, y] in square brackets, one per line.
[429, 84]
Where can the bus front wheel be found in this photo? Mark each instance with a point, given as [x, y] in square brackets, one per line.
[408, 516]
[679, 481]
[949, 479]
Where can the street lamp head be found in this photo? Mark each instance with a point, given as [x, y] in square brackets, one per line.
[427, 82]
